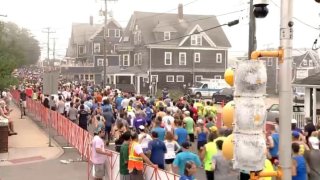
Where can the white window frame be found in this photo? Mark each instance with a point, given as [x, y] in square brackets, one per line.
[99, 60]
[269, 61]
[96, 47]
[107, 33]
[197, 76]
[91, 75]
[181, 61]
[128, 60]
[135, 59]
[310, 63]
[117, 33]
[139, 59]
[196, 40]
[165, 60]
[180, 76]
[217, 77]
[219, 60]
[169, 76]
[195, 57]
[166, 35]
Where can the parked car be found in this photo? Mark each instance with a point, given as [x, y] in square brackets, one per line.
[298, 94]
[273, 111]
[206, 88]
[224, 95]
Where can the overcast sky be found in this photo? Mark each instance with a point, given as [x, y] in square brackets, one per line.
[59, 15]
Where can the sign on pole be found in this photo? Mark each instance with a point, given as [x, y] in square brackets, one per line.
[50, 82]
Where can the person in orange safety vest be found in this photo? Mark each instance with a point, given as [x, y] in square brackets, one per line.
[136, 158]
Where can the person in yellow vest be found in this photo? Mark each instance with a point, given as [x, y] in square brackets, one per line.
[206, 154]
[136, 158]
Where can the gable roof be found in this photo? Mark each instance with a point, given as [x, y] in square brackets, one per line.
[313, 80]
[101, 28]
[308, 55]
[148, 21]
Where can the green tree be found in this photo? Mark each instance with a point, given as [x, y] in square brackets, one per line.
[17, 48]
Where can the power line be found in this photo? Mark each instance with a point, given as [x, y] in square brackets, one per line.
[204, 18]
[299, 20]
[231, 23]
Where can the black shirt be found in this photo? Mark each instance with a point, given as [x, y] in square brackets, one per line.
[23, 96]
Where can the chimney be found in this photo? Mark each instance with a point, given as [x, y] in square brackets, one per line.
[180, 12]
[91, 20]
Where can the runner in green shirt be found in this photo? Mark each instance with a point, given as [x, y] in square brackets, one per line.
[189, 125]
[124, 156]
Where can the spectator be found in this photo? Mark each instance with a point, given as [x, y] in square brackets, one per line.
[157, 150]
[124, 157]
[273, 144]
[309, 128]
[61, 106]
[98, 155]
[296, 139]
[294, 126]
[136, 158]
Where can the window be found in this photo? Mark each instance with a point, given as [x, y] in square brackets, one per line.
[81, 50]
[100, 62]
[305, 63]
[96, 47]
[217, 77]
[218, 58]
[166, 35]
[91, 77]
[81, 76]
[135, 59]
[117, 33]
[182, 58]
[310, 63]
[170, 78]
[139, 58]
[168, 58]
[86, 77]
[137, 37]
[196, 57]
[270, 61]
[196, 40]
[126, 60]
[108, 32]
[198, 78]
[126, 39]
[180, 78]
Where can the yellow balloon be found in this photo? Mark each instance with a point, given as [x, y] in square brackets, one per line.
[227, 114]
[229, 76]
[228, 147]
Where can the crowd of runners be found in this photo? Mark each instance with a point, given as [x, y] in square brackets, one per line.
[176, 135]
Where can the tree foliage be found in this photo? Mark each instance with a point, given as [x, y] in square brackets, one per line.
[17, 48]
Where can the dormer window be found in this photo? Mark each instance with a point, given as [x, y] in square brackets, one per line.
[166, 35]
[196, 40]
[96, 47]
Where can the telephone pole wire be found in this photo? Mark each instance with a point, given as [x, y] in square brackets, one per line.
[48, 31]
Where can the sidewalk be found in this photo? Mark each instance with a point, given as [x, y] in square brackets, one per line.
[31, 143]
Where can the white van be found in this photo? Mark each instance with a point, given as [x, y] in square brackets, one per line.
[207, 87]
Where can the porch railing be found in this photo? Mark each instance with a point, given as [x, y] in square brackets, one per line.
[300, 117]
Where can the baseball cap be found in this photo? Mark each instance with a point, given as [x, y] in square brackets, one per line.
[293, 121]
[200, 121]
[295, 134]
[314, 142]
[141, 127]
[186, 145]
[187, 113]
[213, 128]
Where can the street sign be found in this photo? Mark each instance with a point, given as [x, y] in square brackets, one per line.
[50, 82]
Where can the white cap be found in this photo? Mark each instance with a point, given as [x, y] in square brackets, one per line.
[314, 142]
[141, 127]
[293, 121]
[200, 121]
[187, 113]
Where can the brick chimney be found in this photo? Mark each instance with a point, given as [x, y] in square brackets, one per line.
[91, 20]
[180, 12]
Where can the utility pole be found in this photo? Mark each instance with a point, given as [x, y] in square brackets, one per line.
[48, 31]
[105, 44]
[252, 31]
[285, 96]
